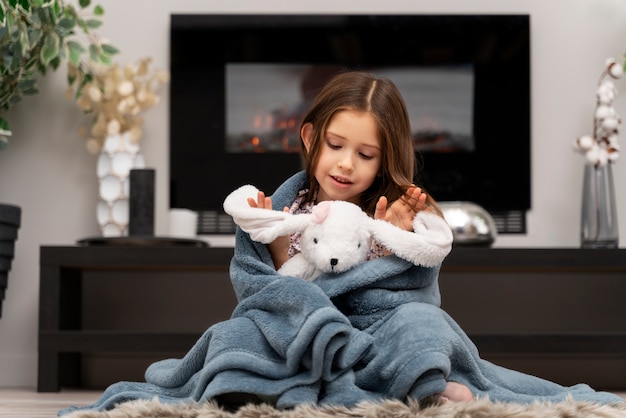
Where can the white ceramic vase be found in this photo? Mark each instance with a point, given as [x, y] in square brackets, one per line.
[118, 156]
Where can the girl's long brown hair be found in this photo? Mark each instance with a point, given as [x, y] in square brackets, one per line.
[362, 91]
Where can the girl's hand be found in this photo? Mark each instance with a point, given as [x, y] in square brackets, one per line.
[402, 212]
[261, 201]
[279, 248]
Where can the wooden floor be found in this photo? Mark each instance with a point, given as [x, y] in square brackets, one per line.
[29, 403]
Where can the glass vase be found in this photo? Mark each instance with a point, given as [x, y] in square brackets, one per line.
[599, 212]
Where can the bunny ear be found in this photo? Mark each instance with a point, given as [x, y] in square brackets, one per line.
[263, 225]
[320, 212]
[427, 246]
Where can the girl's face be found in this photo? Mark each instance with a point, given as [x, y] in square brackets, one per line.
[349, 158]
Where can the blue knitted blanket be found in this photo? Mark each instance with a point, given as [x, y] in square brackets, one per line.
[374, 332]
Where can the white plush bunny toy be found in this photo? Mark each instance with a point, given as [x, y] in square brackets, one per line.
[336, 236]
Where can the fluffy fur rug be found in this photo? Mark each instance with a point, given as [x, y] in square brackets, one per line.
[388, 409]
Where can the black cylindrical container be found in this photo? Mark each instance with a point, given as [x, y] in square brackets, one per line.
[141, 202]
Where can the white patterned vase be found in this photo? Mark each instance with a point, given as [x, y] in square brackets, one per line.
[118, 156]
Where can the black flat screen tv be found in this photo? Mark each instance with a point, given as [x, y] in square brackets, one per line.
[240, 84]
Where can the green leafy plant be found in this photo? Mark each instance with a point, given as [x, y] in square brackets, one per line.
[37, 36]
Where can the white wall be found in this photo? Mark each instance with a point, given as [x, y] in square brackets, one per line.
[47, 171]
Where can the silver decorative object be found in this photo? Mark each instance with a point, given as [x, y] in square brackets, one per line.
[471, 224]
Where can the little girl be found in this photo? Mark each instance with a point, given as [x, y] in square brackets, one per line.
[357, 146]
[374, 332]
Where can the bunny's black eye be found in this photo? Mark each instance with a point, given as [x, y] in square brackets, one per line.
[315, 240]
[358, 245]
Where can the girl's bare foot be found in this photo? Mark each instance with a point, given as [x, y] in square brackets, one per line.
[456, 392]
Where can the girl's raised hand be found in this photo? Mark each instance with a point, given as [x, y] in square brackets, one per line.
[402, 212]
[262, 201]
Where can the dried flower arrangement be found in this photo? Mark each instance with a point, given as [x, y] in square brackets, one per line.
[602, 148]
[116, 96]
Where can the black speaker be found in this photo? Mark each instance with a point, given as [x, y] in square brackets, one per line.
[141, 202]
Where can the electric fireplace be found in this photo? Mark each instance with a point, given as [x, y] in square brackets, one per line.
[240, 85]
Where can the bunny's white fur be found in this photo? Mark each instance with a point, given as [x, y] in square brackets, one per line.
[336, 235]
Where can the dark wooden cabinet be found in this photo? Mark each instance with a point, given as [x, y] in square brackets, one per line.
[62, 339]
[542, 301]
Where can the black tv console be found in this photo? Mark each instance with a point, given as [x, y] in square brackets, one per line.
[62, 340]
